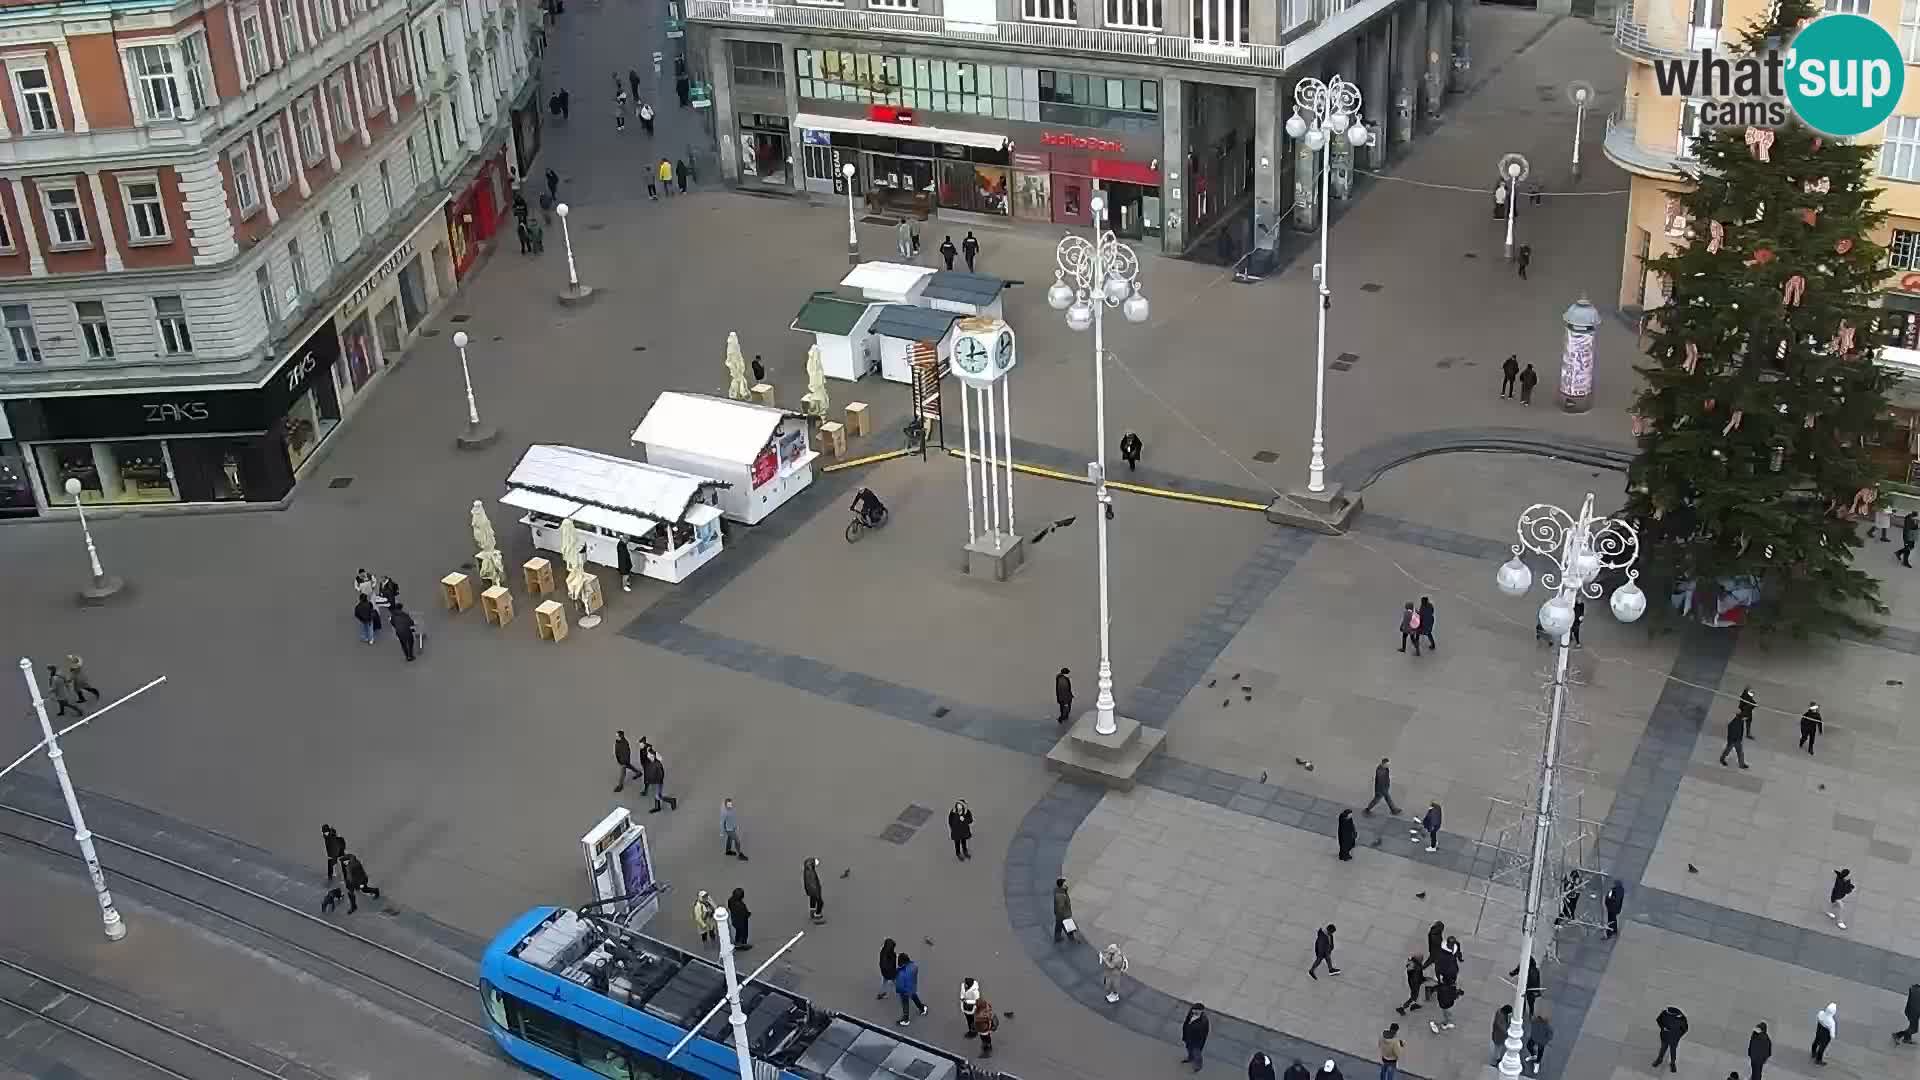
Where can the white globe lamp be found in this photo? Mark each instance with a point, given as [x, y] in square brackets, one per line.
[1080, 315]
[1556, 617]
[1316, 138]
[1296, 126]
[1060, 296]
[1514, 577]
[1628, 602]
[1337, 122]
[1358, 134]
[1135, 309]
[460, 339]
[1117, 289]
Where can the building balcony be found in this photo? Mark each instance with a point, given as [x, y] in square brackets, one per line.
[1635, 152]
[1652, 35]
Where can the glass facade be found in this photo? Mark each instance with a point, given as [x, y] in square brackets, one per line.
[1038, 95]
[122, 471]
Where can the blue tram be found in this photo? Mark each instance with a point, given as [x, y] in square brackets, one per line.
[583, 998]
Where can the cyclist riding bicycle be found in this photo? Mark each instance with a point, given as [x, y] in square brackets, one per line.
[869, 507]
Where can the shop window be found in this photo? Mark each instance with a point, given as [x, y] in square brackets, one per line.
[33, 96]
[176, 339]
[95, 335]
[1903, 251]
[158, 95]
[21, 334]
[979, 189]
[246, 186]
[146, 214]
[129, 471]
[66, 223]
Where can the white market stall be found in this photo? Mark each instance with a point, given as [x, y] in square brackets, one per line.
[888, 282]
[908, 333]
[759, 451]
[668, 519]
[840, 327]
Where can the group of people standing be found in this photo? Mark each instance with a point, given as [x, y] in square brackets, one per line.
[376, 595]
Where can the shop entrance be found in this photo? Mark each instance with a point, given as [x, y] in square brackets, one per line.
[1219, 153]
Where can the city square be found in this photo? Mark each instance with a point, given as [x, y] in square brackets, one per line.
[845, 695]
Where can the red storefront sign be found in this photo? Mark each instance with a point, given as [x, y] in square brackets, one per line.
[890, 114]
[1081, 142]
[474, 216]
[765, 466]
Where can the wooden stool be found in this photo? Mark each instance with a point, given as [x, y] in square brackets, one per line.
[857, 422]
[834, 437]
[497, 605]
[539, 576]
[763, 393]
[550, 621]
[457, 591]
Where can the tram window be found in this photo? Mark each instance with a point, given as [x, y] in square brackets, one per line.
[545, 1030]
[602, 1056]
[496, 1005]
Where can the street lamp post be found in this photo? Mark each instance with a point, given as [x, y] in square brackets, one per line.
[109, 916]
[1580, 548]
[575, 292]
[101, 586]
[853, 236]
[1323, 112]
[736, 1016]
[1513, 169]
[1105, 274]
[476, 437]
[1581, 94]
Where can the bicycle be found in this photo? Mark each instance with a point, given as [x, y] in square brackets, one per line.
[860, 526]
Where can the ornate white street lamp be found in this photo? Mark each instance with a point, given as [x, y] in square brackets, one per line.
[1513, 169]
[1580, 93]
[575, 292]
[476, 437]
[101, 586]
[1580, 548]
[1104, 274]
[1323, 112]
[853, 235]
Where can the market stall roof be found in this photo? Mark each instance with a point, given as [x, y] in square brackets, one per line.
[830, 313]
[888, 278]
[565, 481]
[714, 427]
[908, 322]
[961, 287]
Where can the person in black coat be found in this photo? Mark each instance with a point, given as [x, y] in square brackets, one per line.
[1297, 1071]
[948, 251]
[1746, 707]
[1436, 936]
[1811, 726]
[1260, 1067]
[353, 881]
[336, 847]
[889, 967]
[403, 629]
[1905, 1035]
[738, 916]
[623, 757]
[1673, 1025]
[368, 616]
[1063, 693]
[625, 565]
[1193, 1033]
[1529, 379]
[1130, 448]
[1759, 1049]
[1426, 622]
[960, 827]
[1416, 978]
[1349, 835]
[1616, 897]
[1509, 371]
[970, 247]
[1323, 951]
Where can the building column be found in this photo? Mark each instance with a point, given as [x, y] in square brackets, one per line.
[360, 102]
[1306, 183]
[108, 240]
[299, 156]
[1439, 56]
[1410, 48]
[1379, 103]
[386, 80]
[28, 228]
[1457, 75]
[326, 125]
[1268, 115]
[726, 127]
[260, 178]
[1173, 157]
[72, 84]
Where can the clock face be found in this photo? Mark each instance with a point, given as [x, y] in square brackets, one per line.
[1003, 350]
[971, 355]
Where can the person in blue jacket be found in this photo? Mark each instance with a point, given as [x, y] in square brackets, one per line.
[906, 983]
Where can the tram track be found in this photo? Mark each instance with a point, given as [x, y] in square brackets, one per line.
[412, 988]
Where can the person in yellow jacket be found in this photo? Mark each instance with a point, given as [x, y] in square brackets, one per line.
[666, 176]
[703, 916]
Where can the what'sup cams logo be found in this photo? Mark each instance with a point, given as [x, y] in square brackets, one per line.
[1842, 75]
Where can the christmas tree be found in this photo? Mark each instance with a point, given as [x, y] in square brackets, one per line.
[1762, 391]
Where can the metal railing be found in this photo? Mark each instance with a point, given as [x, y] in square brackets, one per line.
[1038, 37]
[1628, 149]
[1655, 35]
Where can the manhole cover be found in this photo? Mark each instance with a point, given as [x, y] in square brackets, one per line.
[896, 834]
[340, 482]
[914, 815]
[1266, 457]
[1347, 358]
[1340, 367]
[460, 318]
[1372, 286]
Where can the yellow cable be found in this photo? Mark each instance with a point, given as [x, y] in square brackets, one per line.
[1137, 489]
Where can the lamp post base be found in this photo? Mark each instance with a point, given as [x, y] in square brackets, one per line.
[1108, 760]
[1326, 512]
[477, 437]
[577, 295]
[102, 589]
[853, 254]
[995, 556]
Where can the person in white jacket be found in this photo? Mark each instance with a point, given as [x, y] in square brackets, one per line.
[1823, 1031]
[1113, 964]
[969, 998]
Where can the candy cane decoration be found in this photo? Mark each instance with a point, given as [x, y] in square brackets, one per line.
[1843, 341]
[1760, 141]
[1795, 290]
[1733, 425]
[1693, 358]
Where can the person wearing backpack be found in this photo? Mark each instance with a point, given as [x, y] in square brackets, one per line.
[1410, 628]
[985, 1023]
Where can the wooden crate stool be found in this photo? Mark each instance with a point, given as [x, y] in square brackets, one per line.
[497, 605]
[857, 421]
[763, 393]
[834, 437]
[550, 621]
[457, 591]
[539, 576]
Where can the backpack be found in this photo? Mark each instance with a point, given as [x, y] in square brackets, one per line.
[1413, 620]
[984, 1019]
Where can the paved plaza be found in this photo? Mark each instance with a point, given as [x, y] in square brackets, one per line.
[846, 695]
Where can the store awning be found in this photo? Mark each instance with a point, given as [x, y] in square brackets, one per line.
[702, 514]
[848, 125]
[614, 521]
[590, 486]
[713, 427]
[549, 505]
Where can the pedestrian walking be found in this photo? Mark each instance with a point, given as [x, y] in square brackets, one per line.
[1905, 1035]
[1113, 964]
[388, 593]
[1349, 835]
[913, 225]
[1410, 628]
[970, 247]
[1837, 897]
[739, 918]
[566, 103]
[62, 691]
[810, 884]
[1329, 1071]
[1759, 1049]
[633, 83]
[1193, 1034]
[525, 233]
[1130, 448]
[1509, 371]
[1522, 258]
[1436, 935]
[1323, 952]
[903, 240]
[1529, 379]
[1616, 896]
[960, 828]
[620, 117]
[653, 774]
[1430, 821]
[1425, 611]
[646, 118]
[336, 846]
[1824, 1030]
[985, 1023]
[759, 369]
[1909, 532]
[1579, 617]
[623, 757]
[1736, 738]
[906, 986]
[1882, 521]
[653, 187]
[1539, 1034]
[366, 585]
[969, 1001]
[353, 882]
[1063, 693]
[889, 968]
[405, 629]
[1502, 1019]
[666, 176]
[1569, 897]
[1416, 978]
[1811, 726]
[680, 172]
[1445, 995]
[368, 617]
[1297, 1071]
[948, 251]
[1260, 1067]
[703, 916]
[1446, 964]
[1382, 789]
[1063, 924]
[623, 556]
[77, 675]
[1673, 1025]
[1533, 981]
[730, 828]
[1746, 707]
[1391, 1047]
[553, 185]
